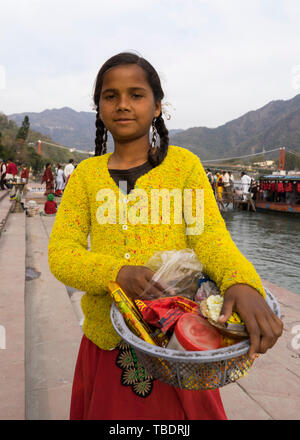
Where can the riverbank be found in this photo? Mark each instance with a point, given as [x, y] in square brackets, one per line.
[43, 334]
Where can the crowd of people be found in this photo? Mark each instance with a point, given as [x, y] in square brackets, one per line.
[9, 173]
[55, 184]
[55, 180]
[223, 185]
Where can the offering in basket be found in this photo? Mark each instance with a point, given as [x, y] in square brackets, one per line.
[180, 270]
[195, 363]
[234, 326]
[133, 317]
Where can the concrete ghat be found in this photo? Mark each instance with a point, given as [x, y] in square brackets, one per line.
[52, 337]
[52, 333]
[12, 318]
[271, 389]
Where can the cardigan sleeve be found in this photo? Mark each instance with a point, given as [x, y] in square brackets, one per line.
[222, 261]
[70, 261]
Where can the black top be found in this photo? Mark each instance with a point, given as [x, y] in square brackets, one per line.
[130, 175]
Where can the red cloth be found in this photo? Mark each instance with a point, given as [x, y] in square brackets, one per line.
[50, 207]
[98, 394]
[12, 169]
[25, 174]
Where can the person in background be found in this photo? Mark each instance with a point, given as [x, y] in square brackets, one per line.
[56, 168]
[48, 179]
[2, 175]
[219, 186]
[231, 181]
[24, 174]
[50, 206]
[254, 188]
[210, 177]
[60, 181]
[11, 171]
[69, 168]
[226, 185]
[246, 182]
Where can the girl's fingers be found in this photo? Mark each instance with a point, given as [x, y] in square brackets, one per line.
[267, 338]
[254, 334]
[226, 310]
[264, 331]
[276, 325]
[150, 290]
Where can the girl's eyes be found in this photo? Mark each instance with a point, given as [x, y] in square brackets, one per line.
[134, 95]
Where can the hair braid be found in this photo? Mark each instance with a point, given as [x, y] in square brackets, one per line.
[100, 146]
[161, 152]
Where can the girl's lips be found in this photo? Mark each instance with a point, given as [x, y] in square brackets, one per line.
[124, 121]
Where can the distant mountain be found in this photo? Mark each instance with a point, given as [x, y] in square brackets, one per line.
[66, 127]
[275, 124]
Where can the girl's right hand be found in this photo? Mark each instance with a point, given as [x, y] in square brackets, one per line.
[136, 282]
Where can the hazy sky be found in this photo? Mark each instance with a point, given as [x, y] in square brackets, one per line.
[217, 59]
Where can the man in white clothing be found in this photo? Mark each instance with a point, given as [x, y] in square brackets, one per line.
[69, 168]
[231, 181]
[246, 182]
[226, 185]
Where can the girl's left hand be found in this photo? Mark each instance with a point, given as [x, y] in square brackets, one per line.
[263, 326]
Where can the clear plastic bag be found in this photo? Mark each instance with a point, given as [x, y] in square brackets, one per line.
[179, 271]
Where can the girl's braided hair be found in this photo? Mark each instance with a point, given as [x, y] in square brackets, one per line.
[153, 79]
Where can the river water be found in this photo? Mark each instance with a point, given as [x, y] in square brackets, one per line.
[271, 242]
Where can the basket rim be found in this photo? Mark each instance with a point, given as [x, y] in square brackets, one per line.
[233, 351]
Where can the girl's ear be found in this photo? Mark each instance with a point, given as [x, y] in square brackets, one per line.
[157, 109]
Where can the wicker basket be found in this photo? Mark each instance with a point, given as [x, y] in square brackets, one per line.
[191, 370]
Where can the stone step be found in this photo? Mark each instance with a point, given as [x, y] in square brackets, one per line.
[5, 208]
[12, 319]
[53, 333]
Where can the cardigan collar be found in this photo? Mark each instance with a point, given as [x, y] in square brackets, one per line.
[147, 176]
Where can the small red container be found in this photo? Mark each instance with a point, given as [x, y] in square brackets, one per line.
[194, 333]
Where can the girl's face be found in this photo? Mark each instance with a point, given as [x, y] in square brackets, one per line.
[127, 105]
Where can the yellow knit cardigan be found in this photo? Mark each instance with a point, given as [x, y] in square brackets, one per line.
[113, 245]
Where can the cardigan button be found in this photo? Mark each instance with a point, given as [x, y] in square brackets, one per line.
[127, 256]
[125, 227]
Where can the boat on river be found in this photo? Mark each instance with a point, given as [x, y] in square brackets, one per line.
[279, 193]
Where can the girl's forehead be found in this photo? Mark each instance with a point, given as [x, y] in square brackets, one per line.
[128, 75]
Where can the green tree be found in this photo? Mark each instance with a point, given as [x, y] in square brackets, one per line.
[24, 129]
[35, 160]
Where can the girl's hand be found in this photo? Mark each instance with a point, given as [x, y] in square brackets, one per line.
[135, 281]
[263, 326]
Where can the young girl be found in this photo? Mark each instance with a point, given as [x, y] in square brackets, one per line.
[107, 386]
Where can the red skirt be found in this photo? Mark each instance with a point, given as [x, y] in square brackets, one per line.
[98, 394]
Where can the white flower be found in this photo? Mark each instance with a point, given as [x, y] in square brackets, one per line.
[214, 304]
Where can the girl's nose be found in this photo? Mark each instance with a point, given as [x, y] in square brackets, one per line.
[123, 103]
